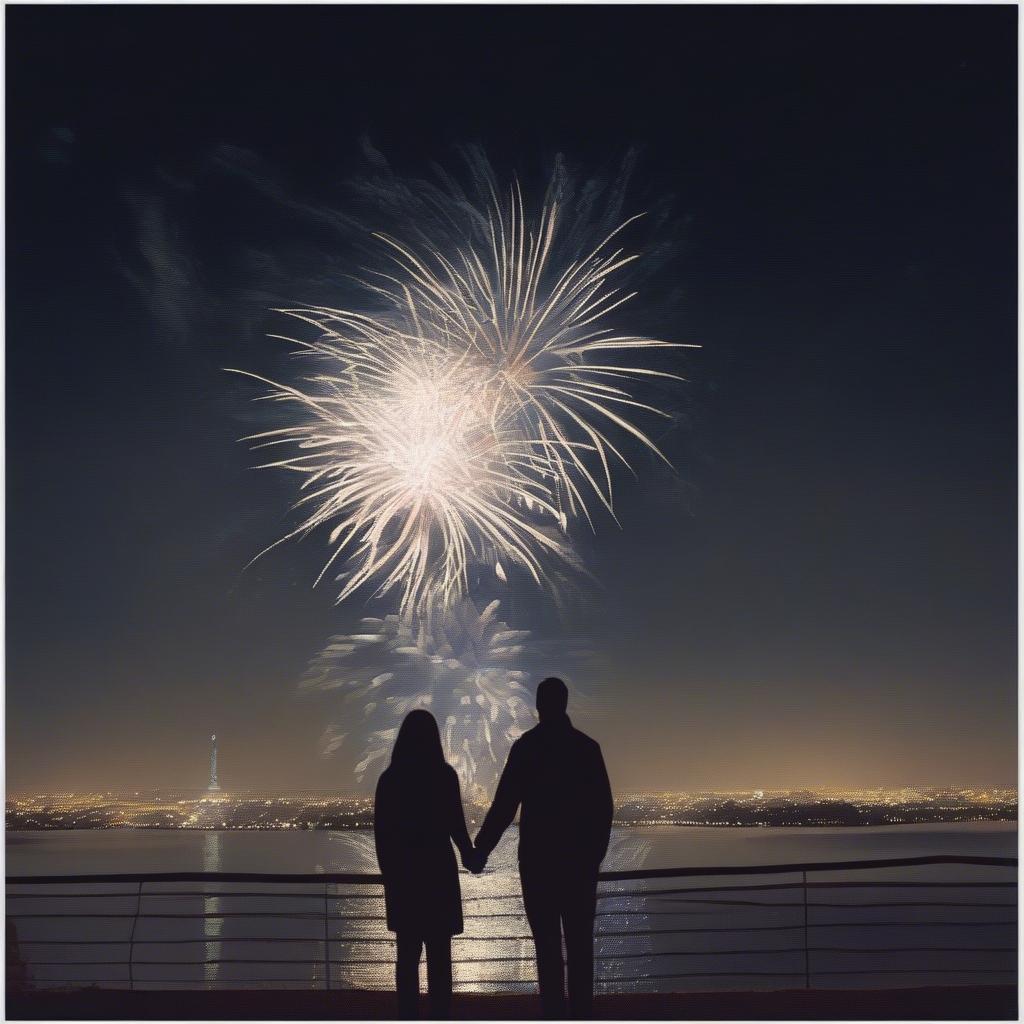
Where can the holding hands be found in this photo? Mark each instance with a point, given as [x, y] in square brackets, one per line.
[473, 860]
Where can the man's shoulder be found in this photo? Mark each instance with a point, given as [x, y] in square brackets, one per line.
[525, 741]
[540, 736]
[586, 742]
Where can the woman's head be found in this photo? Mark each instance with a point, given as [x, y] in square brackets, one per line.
[419, 741]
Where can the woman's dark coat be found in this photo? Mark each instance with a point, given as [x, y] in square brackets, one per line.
[417, 815]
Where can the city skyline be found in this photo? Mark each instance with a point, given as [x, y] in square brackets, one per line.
[205, 810]
[215, 790]
[894, 791]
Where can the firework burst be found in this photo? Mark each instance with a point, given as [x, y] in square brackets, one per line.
[409, 463]
[472, 419]
[467, 667]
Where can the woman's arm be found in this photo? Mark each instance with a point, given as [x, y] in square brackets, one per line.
[457, 819]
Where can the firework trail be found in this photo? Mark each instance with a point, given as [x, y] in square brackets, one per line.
[478, 411]
[466, 666]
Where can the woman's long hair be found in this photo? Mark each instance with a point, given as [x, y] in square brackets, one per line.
[418, 744]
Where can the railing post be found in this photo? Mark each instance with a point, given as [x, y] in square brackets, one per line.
[807, 952]
[131, 938]
[327, 940]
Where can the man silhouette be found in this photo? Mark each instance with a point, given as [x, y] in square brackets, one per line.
[557, 775]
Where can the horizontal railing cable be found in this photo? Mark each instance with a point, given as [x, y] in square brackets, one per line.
[350, 878]
[206, 893]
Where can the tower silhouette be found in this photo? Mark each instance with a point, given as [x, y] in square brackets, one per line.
[214, 786]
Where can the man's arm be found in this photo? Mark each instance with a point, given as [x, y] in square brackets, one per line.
[506, 803]
[607, 804]
[604, 809]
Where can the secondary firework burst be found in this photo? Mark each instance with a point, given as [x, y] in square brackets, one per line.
[466, 666]
[477, 412]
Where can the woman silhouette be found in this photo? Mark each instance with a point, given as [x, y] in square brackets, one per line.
[417, 814]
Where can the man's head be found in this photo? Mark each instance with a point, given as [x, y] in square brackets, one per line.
[552, 699]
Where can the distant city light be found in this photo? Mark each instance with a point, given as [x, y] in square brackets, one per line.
[751, 808]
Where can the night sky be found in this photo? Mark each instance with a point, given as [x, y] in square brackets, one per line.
[824, 595]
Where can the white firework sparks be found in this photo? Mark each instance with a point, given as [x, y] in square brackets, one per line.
[409, 460]
[469, 422]
[467, 667]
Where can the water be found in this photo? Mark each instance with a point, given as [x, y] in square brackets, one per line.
[739, 939]
[150, 850]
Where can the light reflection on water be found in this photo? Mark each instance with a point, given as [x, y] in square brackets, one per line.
[212, 926]
[496, 948]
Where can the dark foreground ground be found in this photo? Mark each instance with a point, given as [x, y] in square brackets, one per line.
[995, 1002]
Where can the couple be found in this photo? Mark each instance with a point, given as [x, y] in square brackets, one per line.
[556, 775]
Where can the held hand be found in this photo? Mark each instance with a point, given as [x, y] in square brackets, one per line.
[474, 861]
[479, 861]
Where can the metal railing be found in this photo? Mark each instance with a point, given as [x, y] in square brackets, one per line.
[868, 922]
